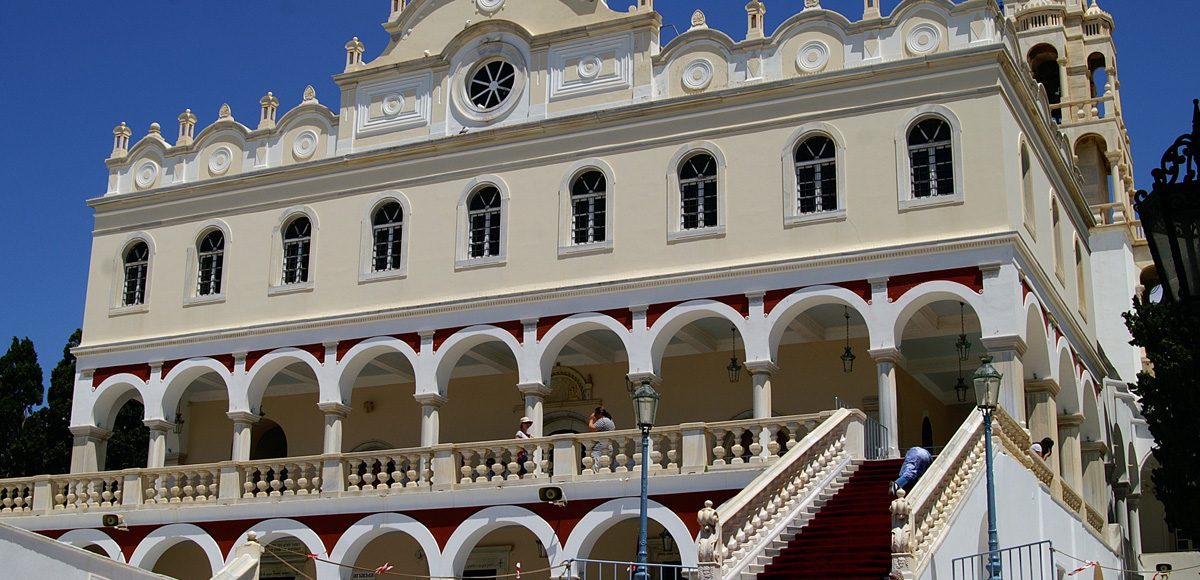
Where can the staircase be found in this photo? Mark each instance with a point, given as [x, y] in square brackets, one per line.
[850, 537]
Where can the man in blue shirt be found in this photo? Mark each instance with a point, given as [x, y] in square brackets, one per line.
[916, 461]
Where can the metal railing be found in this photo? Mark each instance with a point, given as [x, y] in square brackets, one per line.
[1027, 562]
[875, 434]
[612, 570]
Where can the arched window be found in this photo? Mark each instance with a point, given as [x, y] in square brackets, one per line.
[1027, 186]
[1080, 279]
[387, 230]
[211, 263]
[816, 175]
[698, 192]
[137, 265]
[589, 205]
[1056, 242]
[483, 220]
[931, 158]
[297, 248]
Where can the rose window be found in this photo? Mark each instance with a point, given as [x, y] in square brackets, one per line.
[491, 84]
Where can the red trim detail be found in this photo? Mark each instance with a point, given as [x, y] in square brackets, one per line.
[514, 327]
[1025, 289]
[225, 359]
[440, 335]
[655, 311]
[621, 315]
[969, 277]
[545, 323]
[773, 297]
[317, 350]
[860, 287]
[344, 346]
[253, 357]
[738, 302]
[141, 371]
[412, 339]
[168, 365]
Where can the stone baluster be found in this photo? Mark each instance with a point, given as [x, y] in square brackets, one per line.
[718, 449]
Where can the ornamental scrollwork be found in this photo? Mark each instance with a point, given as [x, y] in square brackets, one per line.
[1180, 161]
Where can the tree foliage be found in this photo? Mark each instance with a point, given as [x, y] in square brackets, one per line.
[130, 438]
[1169, 400]
[20, 391]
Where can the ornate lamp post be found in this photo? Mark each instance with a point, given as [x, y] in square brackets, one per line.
[987, 393]
[1170, 215]
[645, 407]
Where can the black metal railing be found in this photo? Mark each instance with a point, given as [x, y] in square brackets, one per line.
[1027, 562]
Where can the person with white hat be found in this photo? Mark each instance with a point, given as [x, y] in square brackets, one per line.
[523, 431]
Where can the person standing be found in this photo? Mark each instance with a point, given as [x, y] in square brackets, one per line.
[916, 461]
[600, 421]
[523, 433]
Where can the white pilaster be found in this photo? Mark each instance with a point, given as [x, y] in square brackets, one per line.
[431, 404]
[1068, 441]
[87, 451]
[156, 455]
[886, 360]
[335, 414]
[1006, 354]
[535, 399]
[243, 423]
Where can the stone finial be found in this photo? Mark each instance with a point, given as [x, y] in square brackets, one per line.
[810, 4]
[871, 10]
[225, 112]
[270, 106]
[310, 95]
[121, 134]
[156, 130]
[699, 20]
[187, 128]
[755, 11]
[354, 52]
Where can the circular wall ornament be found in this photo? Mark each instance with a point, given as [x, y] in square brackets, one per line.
[393, 104]
[305, 144]
[589, 67]
[698, 74]
[489, 5]
[813, 57]
[220, 160]
[146, 174]
[923, 38]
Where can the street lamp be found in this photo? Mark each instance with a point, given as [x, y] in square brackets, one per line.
[987, 393]
[1170, 215]
[645, 407]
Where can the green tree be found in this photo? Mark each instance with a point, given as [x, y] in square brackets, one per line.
[46, 436]
[1169, 398]
[130, 438]
[20, 391]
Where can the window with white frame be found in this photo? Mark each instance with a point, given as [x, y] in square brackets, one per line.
[589, 208]
[210, 253]
[387, 231]
[483, 222]
[698, 192]
[816, 175]
[297, 249]
[137, 265]
[931, 158]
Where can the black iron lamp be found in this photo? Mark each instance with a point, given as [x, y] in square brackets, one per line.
[960, 388]
[645, 405]
[178, 422]
[734, 368]
[668, 543]
[848, 354]
[1170, 215]
[962, 345]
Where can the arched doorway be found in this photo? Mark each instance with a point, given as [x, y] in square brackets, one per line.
[941, 346]
[184, 561]
[130, 441]
[268, 440]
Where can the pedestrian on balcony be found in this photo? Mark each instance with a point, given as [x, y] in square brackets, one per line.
[599, 421]
[1043, 448]
[916, 461]
[523, 433]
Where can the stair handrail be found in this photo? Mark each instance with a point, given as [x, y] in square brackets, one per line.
[730, 532]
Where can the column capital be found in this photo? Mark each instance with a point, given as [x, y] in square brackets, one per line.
[1042, 386]
[1008, 342]
[1074, 420]
[431, 399]
[243, 417]
[1097, 447]
[887, 354]
[637, 378]
[334, 408]
[159, 425]
[761, 367]
[90, 431]
[534, 389]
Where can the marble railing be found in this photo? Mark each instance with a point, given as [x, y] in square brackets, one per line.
[682, 449]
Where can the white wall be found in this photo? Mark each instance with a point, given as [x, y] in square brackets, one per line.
[29, 555]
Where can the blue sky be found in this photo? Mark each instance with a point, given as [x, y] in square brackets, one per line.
[75, 69]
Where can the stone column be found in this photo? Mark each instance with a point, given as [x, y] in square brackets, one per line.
[535, 399]
[1069, 451]
[1093, 475]
[88, 448]
[243, 423]
[333, 472]
[431, 404]
[760, 375]
[1043, 416]
[886, 360]
[156, 455]
[1006, 352]
[1134, 523]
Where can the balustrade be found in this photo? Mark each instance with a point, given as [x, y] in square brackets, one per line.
[87, 491]
[16, 497]
[184, 484]
[388, 471]
[281, 477]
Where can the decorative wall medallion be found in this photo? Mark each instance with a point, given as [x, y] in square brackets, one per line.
[589, 67]
[220, 160]
[393, 104]
[146, 174]
[489, 5]
[305, 144]
[698, 74]
[813, 57]
[923, 38]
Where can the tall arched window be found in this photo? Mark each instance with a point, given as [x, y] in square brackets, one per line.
[698, 192]
[931, 158]
[1056, 242]
[137, 265]
[816, 175]
[483, 220]
[297, 248]
[589, 204]
[387, 230]
[1027, 186]
[1080, 279]
[211, 263]
[1043, 62]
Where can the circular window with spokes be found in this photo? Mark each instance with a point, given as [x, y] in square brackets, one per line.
[490, 84]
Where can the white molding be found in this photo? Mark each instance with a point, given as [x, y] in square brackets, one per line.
[483, 49]
[462, 259]
[617, 50]
[116, 305]
[675, 231]
[791, 211]
[411, 92]
[906, 200]
[566, 246]
[366, 250]
[275, 285]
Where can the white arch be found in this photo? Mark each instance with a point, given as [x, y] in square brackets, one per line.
[567, 329]
[481, 523]
[1037, 341]
[175, 384]
[804, 299]
[111, 395]
[683, 314]
[927, 293]
[608, 514]
[357, 358]
[366, 530]
[266, 368]
[270, 530]
[1068, 398]
[464, 340]
[156, 543]
[85, 537]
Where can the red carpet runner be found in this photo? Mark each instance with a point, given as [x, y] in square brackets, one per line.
[850, 537]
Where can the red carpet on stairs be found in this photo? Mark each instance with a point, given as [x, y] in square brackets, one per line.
[850, 537]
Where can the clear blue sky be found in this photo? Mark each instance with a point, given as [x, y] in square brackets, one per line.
[73, 70]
